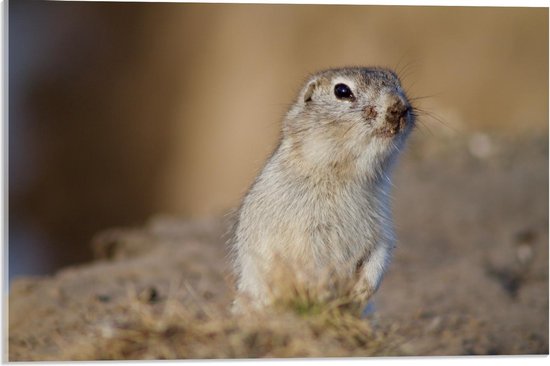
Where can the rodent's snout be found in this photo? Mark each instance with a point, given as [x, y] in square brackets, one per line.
[397, 113]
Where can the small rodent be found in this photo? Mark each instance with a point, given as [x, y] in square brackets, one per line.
[321, 201]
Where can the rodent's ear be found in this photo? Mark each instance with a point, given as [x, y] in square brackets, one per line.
[309, 91]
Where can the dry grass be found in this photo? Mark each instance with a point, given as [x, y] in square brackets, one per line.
[304, 321]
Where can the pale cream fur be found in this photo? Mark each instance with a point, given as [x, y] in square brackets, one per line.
[321, 203]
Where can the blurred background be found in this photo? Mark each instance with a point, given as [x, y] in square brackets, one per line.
[121, 111]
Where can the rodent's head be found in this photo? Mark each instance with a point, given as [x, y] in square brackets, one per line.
[358, 112]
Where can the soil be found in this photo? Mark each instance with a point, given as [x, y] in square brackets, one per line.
[469, 275]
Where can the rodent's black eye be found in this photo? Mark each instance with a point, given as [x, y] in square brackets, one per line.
[342, 91]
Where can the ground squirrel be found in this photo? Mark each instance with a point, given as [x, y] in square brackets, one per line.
[321, 201]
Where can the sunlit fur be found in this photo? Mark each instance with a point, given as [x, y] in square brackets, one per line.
[320, 204]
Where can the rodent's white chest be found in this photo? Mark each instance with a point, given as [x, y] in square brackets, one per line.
[325, 221]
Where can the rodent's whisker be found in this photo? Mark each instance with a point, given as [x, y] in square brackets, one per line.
[424, 127]
[421, 113]
[421, 97]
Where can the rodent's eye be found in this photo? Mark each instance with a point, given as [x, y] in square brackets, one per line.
[342, 91]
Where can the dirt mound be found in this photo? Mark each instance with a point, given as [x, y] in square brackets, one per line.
[470, 276]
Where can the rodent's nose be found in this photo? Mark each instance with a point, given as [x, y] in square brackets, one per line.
[397, 112]
[398, 107]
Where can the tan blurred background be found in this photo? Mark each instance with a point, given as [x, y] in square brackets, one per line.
[119, 111]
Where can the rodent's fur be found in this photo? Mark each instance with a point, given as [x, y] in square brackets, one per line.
[321, 201]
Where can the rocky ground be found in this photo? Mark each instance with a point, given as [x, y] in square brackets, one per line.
[469, 276]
